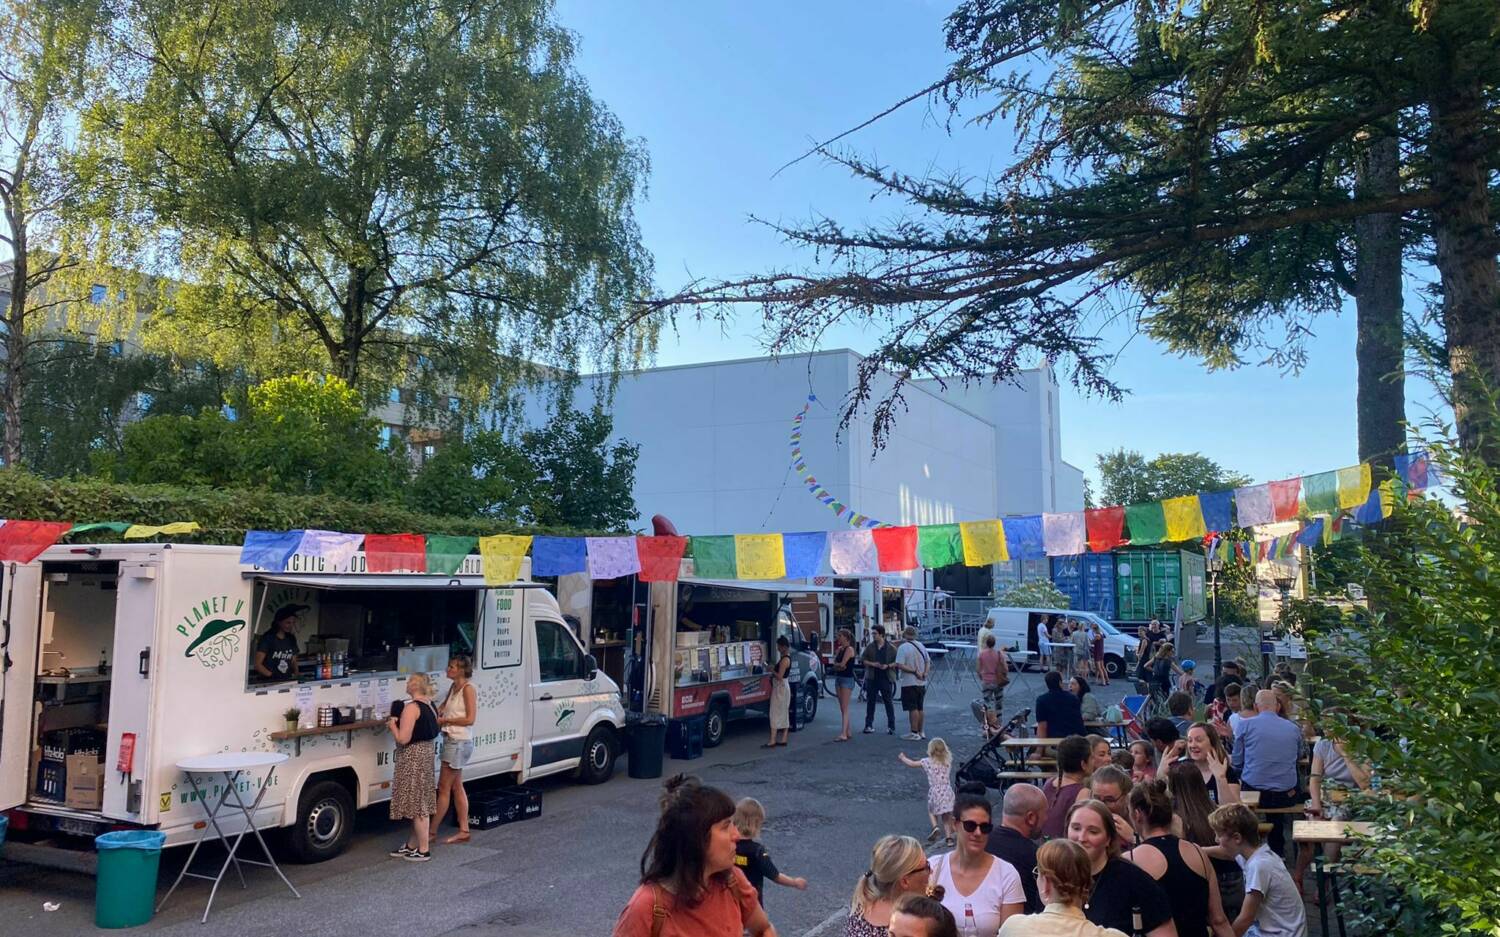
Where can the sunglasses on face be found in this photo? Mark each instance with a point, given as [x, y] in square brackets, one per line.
[972, 825]
[921, 870]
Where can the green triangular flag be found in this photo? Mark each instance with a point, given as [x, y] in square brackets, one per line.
[939, 545]
[713, 557]
[1147, 523]
[114, 527]
[1321, 492]
[446, 554]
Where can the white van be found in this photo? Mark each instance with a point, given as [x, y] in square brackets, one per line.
[1015, 629]
[146, 650]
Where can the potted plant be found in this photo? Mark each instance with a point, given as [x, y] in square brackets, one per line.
[292, 715]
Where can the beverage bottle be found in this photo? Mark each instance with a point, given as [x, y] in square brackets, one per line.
[1137, 929]
[970, 926]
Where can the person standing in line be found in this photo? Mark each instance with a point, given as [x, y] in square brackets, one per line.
[1179, 866]
[1022, 812]
[1096, 650]
[897, 867]
[1065, 881]
[781, 694]
[912, 663]
[1273, 905]
[456, 718]
[1082, 649]
[939, 765]
[994, 675]
[879, 658]
[689, 884]
[980, 889]
[414, 789]
[752, 858]
[843, 677]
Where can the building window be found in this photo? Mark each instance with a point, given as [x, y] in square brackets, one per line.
[452, 404]
[428, 451]
[385, 437]
[395, 396]
[116, 348]
[143, 401]
[98, 294]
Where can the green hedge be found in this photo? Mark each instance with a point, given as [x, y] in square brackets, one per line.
[225, 514]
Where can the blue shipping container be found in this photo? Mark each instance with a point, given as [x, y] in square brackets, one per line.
[1088, 581]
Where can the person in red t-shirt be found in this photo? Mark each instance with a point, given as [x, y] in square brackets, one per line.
[689, 884]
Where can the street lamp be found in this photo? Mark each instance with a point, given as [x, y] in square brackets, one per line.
[1284, 584]
[1215, 565]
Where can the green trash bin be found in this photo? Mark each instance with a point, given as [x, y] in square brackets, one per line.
[126, 891]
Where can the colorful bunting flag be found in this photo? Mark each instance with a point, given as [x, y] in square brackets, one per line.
[1147, 523]
[333, 546]
[174, 529]
[1023, 536]
[1354, 486]
[1411, 468]
[1252, 506]
[1105, 528]
[984, 543]
[823, 495]
[1183, 518]
[1312, 534]
[895, 548]
[24, 541]
[1284, 496]
[759, 556]
[501, 557]
[395, 553]
[268, 549]
[804, 553]
[114, 527]
[559, 556]
[852, 553]
[446, 553]
[713, 557]
[612, 557]
[1320, 492]
[939, 545]
[661, 557]
[1063, 534]
[1215, 508]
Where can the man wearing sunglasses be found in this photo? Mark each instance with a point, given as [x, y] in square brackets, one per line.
[1014, 840]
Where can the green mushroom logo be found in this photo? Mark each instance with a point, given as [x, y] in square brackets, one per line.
[216, 643]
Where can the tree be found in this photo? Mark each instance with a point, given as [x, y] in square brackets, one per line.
[1171, 148]
[1127, 477]
[583, 480]
[1037, 593]
[480, 476]
[411, 191]
[44, 68]
[296, 435]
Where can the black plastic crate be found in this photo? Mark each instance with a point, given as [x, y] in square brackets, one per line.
[489, 809]
[685, 738]
[51, 780]
[60, 743]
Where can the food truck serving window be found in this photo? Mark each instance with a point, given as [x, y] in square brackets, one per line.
[361, 625]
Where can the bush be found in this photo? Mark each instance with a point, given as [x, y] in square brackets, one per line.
[1038, 593]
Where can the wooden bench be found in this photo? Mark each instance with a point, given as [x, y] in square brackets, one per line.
[1023, 775]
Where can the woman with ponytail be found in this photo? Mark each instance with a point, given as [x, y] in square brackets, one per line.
[1179, 866]
[689, 884]
[898, 866]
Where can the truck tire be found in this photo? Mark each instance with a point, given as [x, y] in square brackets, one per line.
[808, 700]
[325, 821]
[599, 752]
[715, 724]
[1114, 666]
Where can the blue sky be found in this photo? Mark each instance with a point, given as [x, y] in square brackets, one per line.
[724, 94]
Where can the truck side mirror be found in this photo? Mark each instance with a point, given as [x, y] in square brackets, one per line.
[590, 667]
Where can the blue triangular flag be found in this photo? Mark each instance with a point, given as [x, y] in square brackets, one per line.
[1023, 537]
[804, 553]
[1215, 505]
[1312, 534]
[269, 549]
[558, 556]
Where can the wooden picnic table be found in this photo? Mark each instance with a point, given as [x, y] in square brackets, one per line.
[1319, 833]
[1031, 743]
[1250, 799]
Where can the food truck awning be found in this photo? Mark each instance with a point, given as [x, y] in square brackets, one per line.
[761, 585]
[376, 581]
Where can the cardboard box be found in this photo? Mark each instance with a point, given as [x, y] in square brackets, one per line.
[85, 780]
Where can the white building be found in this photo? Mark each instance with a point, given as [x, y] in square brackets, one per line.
[715, 455]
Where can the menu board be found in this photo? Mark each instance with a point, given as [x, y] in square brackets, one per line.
[500, 645]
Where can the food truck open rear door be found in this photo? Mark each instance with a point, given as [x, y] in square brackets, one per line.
[20, 602]
[130, 693]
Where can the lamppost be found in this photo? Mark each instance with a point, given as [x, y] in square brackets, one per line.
[1284, 583]
[1215, 565]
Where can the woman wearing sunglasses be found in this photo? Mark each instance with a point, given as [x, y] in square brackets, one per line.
[976, 885]
[897, 867]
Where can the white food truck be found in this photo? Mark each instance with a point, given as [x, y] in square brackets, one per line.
[148, 650]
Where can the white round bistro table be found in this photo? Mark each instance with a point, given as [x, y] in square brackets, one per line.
[231, 765]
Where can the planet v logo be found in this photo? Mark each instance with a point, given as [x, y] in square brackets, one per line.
[214, 633]
[564, 714]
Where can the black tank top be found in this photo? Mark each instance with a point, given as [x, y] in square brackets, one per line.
[1186, 890]
[847, 669]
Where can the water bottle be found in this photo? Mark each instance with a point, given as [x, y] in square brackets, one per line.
[970, 928]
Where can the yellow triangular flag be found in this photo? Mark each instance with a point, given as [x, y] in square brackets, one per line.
[759, 556]
[501, 557]
[983, 543]
[1354, 486]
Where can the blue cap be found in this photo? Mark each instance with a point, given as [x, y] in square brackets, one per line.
[1189, 664]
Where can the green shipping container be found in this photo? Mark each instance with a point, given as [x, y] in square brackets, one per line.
[1149, 584]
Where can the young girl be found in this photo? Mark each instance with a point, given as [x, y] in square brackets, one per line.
[1143, 765]
[937, 764]
[751, 857]
[1188, 681]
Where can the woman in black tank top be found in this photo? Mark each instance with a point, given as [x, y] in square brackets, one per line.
[1189, 882]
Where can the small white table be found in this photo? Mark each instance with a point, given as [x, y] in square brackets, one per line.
[231, 765]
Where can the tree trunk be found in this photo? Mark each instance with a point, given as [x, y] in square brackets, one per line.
[1466, 247]
[1381, 399]
[15, 342]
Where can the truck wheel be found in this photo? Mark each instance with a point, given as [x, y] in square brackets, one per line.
[325, 821]
[809, 700]
[713, 726]
[1114, 666]
[599, 750]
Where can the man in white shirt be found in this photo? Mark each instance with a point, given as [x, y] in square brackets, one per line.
[1273, 903]
[912, 663]
[1043, 644]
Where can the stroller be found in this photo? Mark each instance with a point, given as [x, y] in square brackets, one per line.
[985, 765]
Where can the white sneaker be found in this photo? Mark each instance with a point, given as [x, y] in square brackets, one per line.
[912, 737]
[921, 737]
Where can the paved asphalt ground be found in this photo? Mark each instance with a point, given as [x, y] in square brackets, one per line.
[568, 872]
